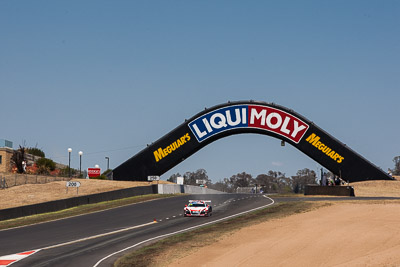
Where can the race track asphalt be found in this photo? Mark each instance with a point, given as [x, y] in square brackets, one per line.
[52, 237]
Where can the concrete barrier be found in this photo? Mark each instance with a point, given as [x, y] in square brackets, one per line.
[186, 189]
[329, 190]
[61, 204]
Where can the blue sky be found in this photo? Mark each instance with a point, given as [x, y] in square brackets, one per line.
[109, 77]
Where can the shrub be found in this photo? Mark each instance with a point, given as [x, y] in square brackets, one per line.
[101, 177]
[36, 152]
[45, 166]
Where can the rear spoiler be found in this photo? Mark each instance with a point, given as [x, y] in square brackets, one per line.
[199, 200]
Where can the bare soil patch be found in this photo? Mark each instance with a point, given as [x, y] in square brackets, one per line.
[37, 193]
[344, 234]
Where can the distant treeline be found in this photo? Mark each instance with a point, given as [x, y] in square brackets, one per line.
[271, 182]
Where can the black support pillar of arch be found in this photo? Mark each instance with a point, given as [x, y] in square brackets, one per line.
[248, 117]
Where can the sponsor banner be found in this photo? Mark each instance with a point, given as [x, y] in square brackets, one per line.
[248, 116]
[162, 152]
[94, 172]
[315, 140]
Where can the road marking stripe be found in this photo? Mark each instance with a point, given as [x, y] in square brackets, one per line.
[183, 230]
[100, 235]
[76, 215]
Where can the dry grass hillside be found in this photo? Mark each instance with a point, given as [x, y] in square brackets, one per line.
[377, 188]
[37, 193]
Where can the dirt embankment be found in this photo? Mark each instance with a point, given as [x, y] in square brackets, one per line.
[344, 234]
[377, 188]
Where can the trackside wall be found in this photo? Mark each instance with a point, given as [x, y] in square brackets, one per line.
[329, 190]
[185, 189]
[56, 205]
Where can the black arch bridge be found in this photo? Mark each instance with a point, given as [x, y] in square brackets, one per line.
[248, 117]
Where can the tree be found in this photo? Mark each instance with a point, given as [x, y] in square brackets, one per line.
[241, 180]
[35, 151]
[173, 178]
[273, 182]
[222, 186]
[191, 177]
[396, 170]
[303, 177]
[45, 166]
[18, 158]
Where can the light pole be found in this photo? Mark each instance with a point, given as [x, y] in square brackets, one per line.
[80, 163]
[108, 162]
[69, 162]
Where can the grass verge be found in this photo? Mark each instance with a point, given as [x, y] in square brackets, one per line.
[79, 210]
[165, 251]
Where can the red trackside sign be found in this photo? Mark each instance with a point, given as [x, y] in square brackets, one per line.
[94, 172]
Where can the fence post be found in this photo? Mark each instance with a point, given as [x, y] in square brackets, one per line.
[3, 183]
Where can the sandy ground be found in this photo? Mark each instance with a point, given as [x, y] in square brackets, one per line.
[344, 234]
[36, 193]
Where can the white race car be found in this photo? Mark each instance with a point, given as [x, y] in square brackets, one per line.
[198, 208]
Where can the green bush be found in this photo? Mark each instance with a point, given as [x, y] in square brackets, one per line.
[106, 172]
[45, 166]
[101, 177]
[36, 152]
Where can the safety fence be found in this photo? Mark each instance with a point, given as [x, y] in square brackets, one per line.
[10, 180]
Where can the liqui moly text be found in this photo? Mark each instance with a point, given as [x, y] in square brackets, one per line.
[248, 116]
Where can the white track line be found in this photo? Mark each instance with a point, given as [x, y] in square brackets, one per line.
[97, 236]
[184, 230]
[20, 256]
